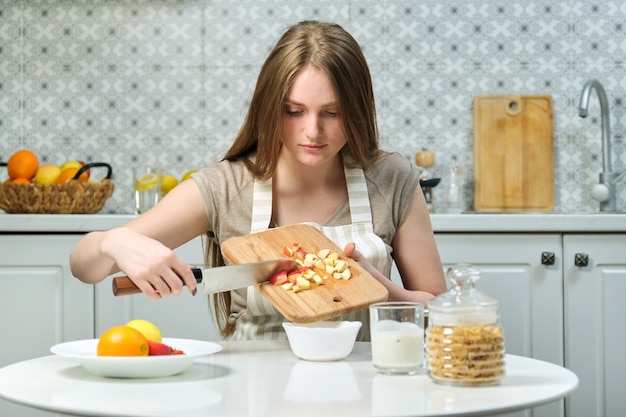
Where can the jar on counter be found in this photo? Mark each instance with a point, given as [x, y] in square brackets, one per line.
[464, 339]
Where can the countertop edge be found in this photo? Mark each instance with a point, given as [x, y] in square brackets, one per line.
[442, 223]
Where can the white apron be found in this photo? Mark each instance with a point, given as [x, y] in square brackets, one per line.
[261, 320]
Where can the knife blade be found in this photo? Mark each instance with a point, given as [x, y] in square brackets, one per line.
[222, 278]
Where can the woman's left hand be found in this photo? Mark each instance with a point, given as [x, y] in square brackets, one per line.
[350, 251]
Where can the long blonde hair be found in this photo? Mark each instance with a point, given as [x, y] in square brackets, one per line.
[328, 48]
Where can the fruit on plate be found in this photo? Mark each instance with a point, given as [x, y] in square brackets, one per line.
[122, 341]
[22, 164]
[148, 329]
[47, 174]
[161, 349]
[313, 267]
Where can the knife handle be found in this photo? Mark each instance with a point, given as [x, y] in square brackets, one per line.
[123, 285]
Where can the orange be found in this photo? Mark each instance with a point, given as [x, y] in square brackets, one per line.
[122, 341]
[68, 173]
[20, 181]
[22, 164]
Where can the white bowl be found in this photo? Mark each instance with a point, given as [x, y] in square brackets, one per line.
[322, 341]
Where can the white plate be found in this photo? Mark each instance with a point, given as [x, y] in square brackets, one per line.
[135, 366]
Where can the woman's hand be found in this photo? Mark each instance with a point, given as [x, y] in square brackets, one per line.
[350, 251]
[152, 266]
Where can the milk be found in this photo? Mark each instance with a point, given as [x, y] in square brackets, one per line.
[397, 347]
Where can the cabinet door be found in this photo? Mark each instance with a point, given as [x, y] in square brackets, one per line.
[595, 334]
[530, 293]
[41, 303]
[183, 316]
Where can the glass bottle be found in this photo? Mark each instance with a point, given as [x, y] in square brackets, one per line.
[464, 339]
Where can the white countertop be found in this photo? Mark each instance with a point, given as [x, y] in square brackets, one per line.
[442, 223]
[265, 379]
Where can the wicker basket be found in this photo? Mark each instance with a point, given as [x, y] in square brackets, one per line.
[73, 197]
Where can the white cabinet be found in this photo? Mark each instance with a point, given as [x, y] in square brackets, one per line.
[184, 316]
[595, 311]
[530, 293]
[41, 304]
[570, 313]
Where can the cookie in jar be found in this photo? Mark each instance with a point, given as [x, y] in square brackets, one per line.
[464, 338]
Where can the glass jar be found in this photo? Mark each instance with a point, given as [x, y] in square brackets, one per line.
[464, 339]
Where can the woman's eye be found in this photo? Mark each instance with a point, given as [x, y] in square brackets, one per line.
[292, 112]
[332, 114]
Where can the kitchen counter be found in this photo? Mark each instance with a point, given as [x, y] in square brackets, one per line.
[442, 223]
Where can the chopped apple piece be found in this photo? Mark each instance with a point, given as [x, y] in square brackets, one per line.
[341, 265]
[287, 286]
[303, 283]
[323, 253]
[346, 274]
[318, 280]
[310, 259]
[279, 278]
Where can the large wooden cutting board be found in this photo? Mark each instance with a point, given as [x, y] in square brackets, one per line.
[513, 153]
[334, 298]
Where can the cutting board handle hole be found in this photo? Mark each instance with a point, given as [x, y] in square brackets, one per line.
[337, 299]
[514, 107]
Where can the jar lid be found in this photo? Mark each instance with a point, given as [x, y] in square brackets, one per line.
[463, 304]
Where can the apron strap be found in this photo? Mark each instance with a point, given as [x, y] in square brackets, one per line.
[360, 209]
[261, 206]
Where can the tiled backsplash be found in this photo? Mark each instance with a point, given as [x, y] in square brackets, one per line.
[168, 81]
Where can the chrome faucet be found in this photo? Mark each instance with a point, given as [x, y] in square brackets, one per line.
[604, 191]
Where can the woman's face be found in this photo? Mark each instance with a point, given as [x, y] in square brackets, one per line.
[312, 128]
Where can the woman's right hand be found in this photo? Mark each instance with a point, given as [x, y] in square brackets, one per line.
[152, 266]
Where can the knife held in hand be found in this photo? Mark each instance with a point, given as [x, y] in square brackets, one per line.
[223, 278]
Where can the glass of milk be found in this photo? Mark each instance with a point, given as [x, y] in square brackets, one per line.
[397, 334]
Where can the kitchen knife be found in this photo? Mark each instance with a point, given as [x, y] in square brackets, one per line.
[223, 278]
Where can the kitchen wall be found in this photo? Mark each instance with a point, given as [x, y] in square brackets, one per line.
[168, 82]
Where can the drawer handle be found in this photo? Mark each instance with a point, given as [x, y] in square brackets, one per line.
[581, 259]
[547, 258]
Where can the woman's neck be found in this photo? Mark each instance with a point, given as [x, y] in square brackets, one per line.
[292, 175]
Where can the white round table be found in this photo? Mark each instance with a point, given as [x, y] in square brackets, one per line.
[266, 379]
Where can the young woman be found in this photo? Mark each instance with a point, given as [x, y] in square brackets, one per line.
[307, 152]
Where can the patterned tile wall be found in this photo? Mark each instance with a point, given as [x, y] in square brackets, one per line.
[168, 81]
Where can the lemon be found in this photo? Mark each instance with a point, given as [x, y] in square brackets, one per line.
[148, 329]
[147, 182]
[188, 174]
[167, 183]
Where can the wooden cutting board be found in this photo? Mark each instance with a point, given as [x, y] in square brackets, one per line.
[513, 153]
[321, 302]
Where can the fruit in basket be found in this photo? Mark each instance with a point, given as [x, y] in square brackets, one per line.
[47, 174]
[75, 164]
[68, 173]
[148, 329]
[17, 181]
[122, 341]
[22, 164]
[70, 164]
